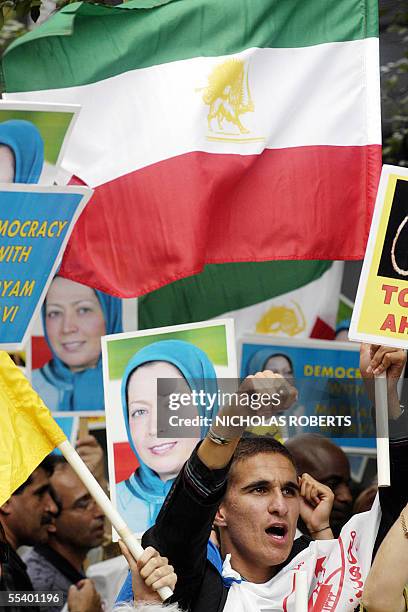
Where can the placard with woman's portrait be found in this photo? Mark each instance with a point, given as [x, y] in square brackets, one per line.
[33, 141]
[143, 457]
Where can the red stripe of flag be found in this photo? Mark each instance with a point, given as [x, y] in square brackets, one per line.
[166, 221]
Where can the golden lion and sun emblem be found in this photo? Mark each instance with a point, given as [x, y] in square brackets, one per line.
[282, 320]
[229, 97]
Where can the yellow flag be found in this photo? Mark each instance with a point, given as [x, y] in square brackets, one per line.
[28, 433]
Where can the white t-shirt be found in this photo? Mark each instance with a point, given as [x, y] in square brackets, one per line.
[336, 571]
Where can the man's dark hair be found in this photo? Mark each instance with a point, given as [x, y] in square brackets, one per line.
[56, 461]
[251, 445]
[254, 445]
[46, 464]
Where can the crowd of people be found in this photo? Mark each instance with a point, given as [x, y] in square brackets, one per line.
[244, 513]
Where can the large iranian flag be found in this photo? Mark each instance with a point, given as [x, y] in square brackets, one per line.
[214, 131]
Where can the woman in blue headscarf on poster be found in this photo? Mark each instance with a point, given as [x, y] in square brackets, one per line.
[267, 359]
[279, 363]
[140, 497]
[21, 152]
[74, 319]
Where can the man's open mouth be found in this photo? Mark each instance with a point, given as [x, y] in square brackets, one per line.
[277, 532]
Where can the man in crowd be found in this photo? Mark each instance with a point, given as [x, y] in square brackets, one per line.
[255, 502]
[328, 464]
[56, 564]
[25, 518]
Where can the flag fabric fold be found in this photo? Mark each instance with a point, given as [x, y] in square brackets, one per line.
[213, 132]
[28, 433]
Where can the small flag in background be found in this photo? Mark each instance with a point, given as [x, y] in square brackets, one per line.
[251, 135]
[28, 433]
[290, 299]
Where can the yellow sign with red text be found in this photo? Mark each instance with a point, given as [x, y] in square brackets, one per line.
[380, 313]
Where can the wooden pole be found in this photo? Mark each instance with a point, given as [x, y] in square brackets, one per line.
[381, 422]
[106, 505]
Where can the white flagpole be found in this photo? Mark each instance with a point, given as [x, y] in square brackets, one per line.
[106, 505]
[381, 422]
[301, 591]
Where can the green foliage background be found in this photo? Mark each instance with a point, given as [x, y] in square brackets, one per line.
[394, 89]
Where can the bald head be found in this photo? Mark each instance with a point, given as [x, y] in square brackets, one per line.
[326, 462]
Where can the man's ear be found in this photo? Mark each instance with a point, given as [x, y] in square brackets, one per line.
[220, 519]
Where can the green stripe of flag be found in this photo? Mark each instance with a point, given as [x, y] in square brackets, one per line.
[85, 43]
[222, 288]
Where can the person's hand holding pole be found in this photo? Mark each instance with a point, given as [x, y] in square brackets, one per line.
[384, 366]
[106, 505]
[149, 574]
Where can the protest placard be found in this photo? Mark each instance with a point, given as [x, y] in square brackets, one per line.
[35, 224]
[380, 314]
[332, 399]
[142, 465]
[33, 139]
[66, 345]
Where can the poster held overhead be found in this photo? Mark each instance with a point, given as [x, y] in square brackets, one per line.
[35, 225]
[149, 438]
[332, 401]
[380, 313]
[33, 139]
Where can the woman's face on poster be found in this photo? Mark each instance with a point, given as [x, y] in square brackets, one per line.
[279, 364]
[7, 164]
[165, 456]
[75, 323]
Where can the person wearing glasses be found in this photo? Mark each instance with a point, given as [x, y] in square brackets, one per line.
[78, 527]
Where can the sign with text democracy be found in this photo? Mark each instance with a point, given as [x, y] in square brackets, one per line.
[35, 224]
[332, 399]
[380, 314]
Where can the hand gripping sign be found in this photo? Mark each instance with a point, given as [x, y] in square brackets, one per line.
[380, 315]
